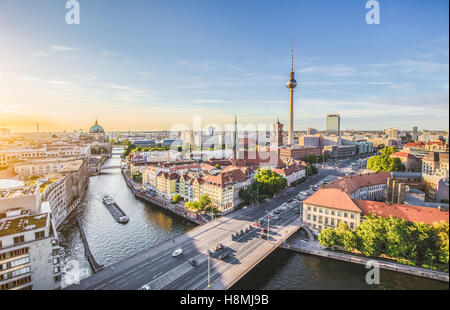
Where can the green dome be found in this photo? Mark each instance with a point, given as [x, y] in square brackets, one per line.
[96, 128]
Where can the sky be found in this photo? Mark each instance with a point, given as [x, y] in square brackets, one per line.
[155, 65]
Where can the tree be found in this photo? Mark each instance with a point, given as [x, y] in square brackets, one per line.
[349, 240]
[328, 237]
[441, 229]
[204, 203]
[176, 198]
[384, 161]
[269, 182]
[192, 205]
[371, 236]
[311, 158]
[397, 237]
[217, 166]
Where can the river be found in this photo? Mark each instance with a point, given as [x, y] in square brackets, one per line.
[149, 225]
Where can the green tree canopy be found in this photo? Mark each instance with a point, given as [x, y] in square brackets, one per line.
[384, 161]
[328, 237]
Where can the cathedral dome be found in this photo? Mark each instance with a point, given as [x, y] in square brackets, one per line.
[96, 128]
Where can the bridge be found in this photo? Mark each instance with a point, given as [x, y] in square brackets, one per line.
[157, 268]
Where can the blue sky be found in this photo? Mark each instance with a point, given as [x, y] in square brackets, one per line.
[152, 64]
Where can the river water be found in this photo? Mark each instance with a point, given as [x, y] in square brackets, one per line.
[149, 225]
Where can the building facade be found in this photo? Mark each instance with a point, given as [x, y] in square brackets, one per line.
[29, 252]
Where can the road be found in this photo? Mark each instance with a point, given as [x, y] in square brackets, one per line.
[158, 269]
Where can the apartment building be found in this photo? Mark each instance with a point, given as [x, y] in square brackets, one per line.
[3, 162]
[40, 167]
[62, 192]
[16, 194]
[29, 252]
[436, 164]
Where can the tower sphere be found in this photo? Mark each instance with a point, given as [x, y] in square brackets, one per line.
[292, 83]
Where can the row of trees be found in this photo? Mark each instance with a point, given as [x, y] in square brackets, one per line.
[418, 243]
[100, 148]
[204, 204]
[266, 184]
[384, 161]
[313, 159]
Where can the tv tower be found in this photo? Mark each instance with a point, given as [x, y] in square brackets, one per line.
[291, 84]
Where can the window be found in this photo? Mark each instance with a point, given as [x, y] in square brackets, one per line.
[332, 222]
[320, 210]
[326, 211]
[352, 215]
[339, 213]
[332, 212]
[351, 225]
[55, 261]
[314, 218]
[39, 234]
[19, 239]
[345, 214]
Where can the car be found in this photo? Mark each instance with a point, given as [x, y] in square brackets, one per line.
[193, 262]
[223, 256]
[256, 224]
[145, 288]
[177, 252]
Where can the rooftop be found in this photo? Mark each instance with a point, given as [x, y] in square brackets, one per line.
[409, 213]
[9, 226]
[350, 184]
[332, 198]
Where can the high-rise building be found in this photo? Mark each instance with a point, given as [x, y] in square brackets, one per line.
[334, 124]
[291, 84]
[29, 252]
[392, 133]
[415, 133]
[311, 131]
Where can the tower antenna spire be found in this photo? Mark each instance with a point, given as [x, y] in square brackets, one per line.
[292, 54]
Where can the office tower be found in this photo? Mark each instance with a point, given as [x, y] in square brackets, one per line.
[415, 134]
[334, 124]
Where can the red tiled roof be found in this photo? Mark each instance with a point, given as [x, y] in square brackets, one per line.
[401, 154]
[351, 184]
[227, 178]
[332, 198]
[425, 215]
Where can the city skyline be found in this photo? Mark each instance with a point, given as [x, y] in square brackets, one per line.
[133, 76]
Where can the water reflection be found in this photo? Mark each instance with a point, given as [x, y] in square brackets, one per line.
[110, 241]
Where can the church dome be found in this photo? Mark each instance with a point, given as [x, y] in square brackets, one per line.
[96, 128]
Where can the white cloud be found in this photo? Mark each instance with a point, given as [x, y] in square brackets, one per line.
[60, 48]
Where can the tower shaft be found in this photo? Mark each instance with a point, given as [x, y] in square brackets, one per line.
[291, 118]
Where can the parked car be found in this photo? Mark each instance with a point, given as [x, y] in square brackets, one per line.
[177, 252]
[193, 262]
[223, 256]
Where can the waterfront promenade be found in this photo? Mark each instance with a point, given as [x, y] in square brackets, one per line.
[177, 208]
[298, 244]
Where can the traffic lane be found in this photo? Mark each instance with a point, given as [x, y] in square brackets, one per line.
[242, 253]
[268, 206]
[240, 250]
[151, 269]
